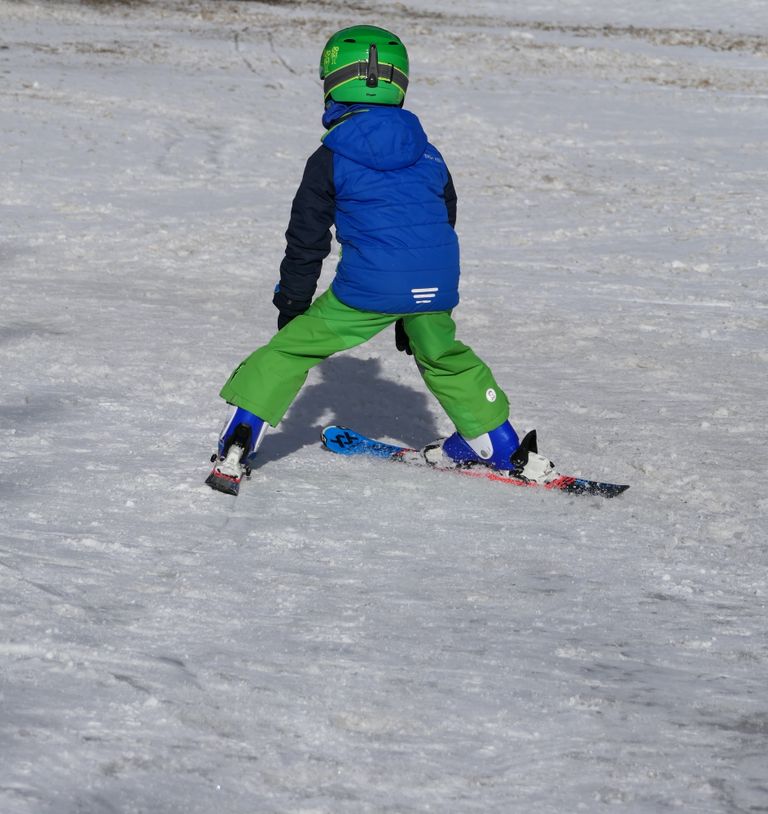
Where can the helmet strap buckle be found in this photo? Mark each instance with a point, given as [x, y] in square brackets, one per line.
[372, 69]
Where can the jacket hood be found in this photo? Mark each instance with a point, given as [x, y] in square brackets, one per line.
[382, 138]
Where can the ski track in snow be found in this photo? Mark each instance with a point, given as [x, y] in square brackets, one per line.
[346, 636]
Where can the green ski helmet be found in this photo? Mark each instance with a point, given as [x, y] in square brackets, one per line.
[364, 63]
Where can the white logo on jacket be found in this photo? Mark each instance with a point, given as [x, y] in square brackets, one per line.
[424, 295]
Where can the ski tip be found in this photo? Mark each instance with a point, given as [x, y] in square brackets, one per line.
[327, 432]
[339, 438]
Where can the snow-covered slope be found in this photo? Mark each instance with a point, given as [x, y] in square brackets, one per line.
[347, 636]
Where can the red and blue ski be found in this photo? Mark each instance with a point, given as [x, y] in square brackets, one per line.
[344, 441]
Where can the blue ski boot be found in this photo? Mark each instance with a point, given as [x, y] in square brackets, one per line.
[494, 448]
[239, 441]
[499, 449]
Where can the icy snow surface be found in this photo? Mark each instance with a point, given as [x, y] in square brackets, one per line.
[348, 636]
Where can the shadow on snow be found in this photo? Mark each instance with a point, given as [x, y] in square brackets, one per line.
[353, 393]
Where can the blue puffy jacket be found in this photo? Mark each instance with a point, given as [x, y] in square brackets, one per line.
[392, 200]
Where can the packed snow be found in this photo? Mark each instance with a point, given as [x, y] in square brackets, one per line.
[350, 635]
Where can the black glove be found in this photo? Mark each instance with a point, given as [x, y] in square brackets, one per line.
[289, 309]
[401, 338]
[284, 319]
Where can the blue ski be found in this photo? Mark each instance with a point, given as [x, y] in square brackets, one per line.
[344, 441]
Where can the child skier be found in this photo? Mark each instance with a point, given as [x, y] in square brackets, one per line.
[389, 194]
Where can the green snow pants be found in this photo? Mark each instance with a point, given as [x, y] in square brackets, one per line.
[267, 382]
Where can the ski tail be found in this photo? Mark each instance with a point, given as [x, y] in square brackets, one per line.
[227, 473]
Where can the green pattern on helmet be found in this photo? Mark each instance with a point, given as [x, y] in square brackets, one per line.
[364, 63]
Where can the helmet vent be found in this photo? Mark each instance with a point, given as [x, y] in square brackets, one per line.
[350, 40]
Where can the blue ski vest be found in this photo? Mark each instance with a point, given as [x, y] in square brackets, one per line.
[400, 253]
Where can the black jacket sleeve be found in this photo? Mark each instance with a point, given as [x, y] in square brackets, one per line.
[449, 193]
[308, 236]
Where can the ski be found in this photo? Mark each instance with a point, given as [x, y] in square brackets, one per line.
[344, 441]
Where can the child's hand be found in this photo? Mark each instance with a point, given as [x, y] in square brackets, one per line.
[283, 320]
